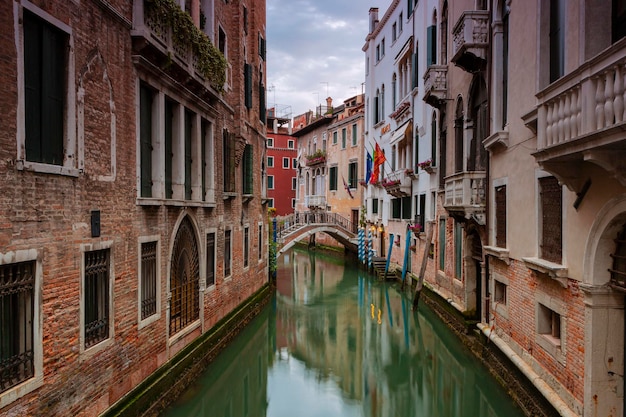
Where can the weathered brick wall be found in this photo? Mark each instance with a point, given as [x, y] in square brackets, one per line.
[51, 213]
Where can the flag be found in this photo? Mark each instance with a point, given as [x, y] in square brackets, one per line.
[379, 159]
[345, 185]
[368, 169]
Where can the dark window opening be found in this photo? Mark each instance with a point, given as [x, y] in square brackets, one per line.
[96, 297]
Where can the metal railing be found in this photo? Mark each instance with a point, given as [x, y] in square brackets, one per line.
[296, 221]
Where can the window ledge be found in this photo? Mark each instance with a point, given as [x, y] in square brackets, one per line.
[555, 271]
[552, 346]
[497, 252]
[228, 196]
[499, 140]
[142, 201]
[22, 165]
[247, 197]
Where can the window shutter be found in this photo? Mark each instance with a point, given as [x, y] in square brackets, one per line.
[53, 101]
[188, 158]
[145, 137]
[551, 207]
[32, 83]
[247, 75]
[431, 52]
[262, 111]
[406, 208]
[501, 216]
[396, 208]
[169, 116]
[248, 169]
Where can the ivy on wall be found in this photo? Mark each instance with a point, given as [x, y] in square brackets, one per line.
[210, 61]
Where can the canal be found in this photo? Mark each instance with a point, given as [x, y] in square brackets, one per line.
[334, 341]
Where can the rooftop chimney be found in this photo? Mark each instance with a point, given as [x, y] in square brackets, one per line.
[373, 18]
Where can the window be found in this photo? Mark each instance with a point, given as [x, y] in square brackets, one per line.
[246, 246]
[409, 6]
[227, 253]
[17, 321]
[270, 182]
[229, 161]
[45, 85]
[286, 163]
[394, 32]
[619, 19]
[400, 22]
[262, 109]
[422, 211]
[189, 116]
[96, 296]
[500, 216]
[207, 149]
[458, 250]
[290, 144]
[618, 270]
[551, 219]
[293, 203]
[270, 202]
[245, 20]
[270, 162]
[260, 240]
[270, 142]
[396, 208]
[354, 135]
[406, 208]
[294, 163]
[353, 169]
[499, 292]
[343, 138]
[375, 206]
[332, 182]
[169, 151]
[247, 76]
[442, 244]
[433, 140]
[394, 90]
[377, 52]
[145, 138]
[549, 324]
[294, 183]
[382, 48]
[184, 278]
[210, 259]
[431, 45]
[221, 41]
[557, 39]
[335, 137]
[248, 170]
[262, 47]
[148, 283]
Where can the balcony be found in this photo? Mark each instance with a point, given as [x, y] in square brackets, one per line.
[471, 40]
[465, 195]
[315, 159]
[582, 118]
[185, 54]
[399, 185]
[436, 85]
[315, 201]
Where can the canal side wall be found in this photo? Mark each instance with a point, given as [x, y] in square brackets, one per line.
[528, 397]
[166, 384]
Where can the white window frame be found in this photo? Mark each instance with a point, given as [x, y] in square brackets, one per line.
[270, 162]
[270, 142]
[270, 178]
[286, 163]
[157, 315]
[290, 143]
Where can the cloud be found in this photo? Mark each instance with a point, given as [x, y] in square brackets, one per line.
[314, 50]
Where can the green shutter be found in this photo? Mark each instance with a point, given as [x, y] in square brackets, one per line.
[188, 158]
[145, 138]
[247, 75]
[169, 116]
[262, 102]
[431, 40]
[248, 163]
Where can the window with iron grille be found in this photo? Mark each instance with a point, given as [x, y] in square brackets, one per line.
[210, 259]
[45, 72]
[184, 278]
[227, 253]
[16, 323]
[501, 216]
[148, 279]
[246, 246]
[97, 264]
[551, 218]
[618, 270]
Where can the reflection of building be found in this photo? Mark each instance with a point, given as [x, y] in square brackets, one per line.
[281, 162]
[132, 208]
[525, 123]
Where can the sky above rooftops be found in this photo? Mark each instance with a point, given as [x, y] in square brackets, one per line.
[314, 51]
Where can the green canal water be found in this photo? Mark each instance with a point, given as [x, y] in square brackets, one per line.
[334, 341]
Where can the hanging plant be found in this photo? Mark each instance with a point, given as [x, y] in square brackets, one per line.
[210, 61]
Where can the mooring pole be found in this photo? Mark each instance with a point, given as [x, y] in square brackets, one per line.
[420, 279]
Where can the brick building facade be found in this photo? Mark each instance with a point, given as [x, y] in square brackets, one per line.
[132, 210]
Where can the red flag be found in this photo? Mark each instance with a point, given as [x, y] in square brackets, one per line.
[379, 159]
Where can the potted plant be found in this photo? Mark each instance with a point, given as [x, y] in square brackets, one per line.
[426, 165]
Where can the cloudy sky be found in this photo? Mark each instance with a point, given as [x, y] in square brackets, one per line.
[314, 51]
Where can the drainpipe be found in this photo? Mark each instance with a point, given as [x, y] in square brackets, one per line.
[488, 170]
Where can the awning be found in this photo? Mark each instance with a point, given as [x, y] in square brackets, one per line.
[403, 134]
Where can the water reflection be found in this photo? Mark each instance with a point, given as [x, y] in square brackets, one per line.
[339, 343]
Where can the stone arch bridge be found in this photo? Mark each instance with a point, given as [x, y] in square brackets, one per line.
[294, 227]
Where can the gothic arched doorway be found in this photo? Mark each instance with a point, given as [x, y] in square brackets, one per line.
[184, 278]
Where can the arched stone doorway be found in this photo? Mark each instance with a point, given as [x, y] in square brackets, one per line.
[184, 278]
[604, 311]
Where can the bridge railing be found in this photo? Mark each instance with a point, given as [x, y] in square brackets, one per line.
[294, 221]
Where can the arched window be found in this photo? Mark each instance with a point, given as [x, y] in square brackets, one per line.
[444, 34]
[618, 271]
[478, 100]
[184, 278]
